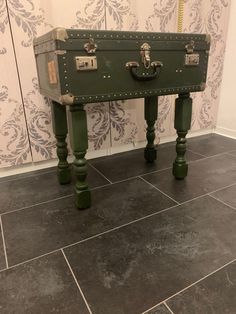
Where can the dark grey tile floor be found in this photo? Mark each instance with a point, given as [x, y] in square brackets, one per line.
[149, 243]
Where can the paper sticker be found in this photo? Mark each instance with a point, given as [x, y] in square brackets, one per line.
[52, 73]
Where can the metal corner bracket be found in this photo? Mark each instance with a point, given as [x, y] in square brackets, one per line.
[202, 86]
[208, 38]
[60, 33]
[67, 99]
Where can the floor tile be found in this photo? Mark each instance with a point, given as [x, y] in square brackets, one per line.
[204, 176]
[41, 286]
[211, 144]
[233, 153]
[2, 256]
[31, 190]
[160, 309]
[227, 195]
[27, 174]
[38, 230]
[130, 164]
[132, 269]
[215, 294]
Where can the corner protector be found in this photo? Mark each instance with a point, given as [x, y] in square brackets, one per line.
[60, 33]
[67, 99]
[202, 86]
[208, 38]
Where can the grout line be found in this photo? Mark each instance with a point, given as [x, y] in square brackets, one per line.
[177, 203]
[30, 260]
[48, 201]
[107, 231]
[4, 245]
[168, 307]
[36, 204]
[98, 171]
[28, 174]
[198, 281]
[193, 284]
[80, 290]
[116, 182]
[192, 151]
[222, 202]
[119, 227]
[110, 230]
[90, 238]
[207, 194]
[208, 157]
[101, 186]
[143, 174]
[225, 187]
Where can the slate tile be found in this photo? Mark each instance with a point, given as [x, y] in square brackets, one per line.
[2, 255]
[133, 268]
[211, 144]
[204, 176]
[31, 190]
[130, 164]
[27, 174]
[160, 309]
[44, 285]
[233, 153]
[215, 294]
[38, 230]
[227, 195]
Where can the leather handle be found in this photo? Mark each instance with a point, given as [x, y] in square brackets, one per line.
[144, 76]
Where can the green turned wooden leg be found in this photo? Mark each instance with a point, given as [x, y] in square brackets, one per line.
[183, 114]
[60, 131]
[79, 138]
[150, 113]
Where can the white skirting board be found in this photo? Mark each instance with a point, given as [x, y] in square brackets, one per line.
[225, 132]
[9, 171]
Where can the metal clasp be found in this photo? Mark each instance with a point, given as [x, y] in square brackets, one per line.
[145, 53]
[190, 47]
[90, 47]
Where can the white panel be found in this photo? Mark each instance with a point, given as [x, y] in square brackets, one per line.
[226, 122]
[30, 19]
[208, 17]
[14, 143]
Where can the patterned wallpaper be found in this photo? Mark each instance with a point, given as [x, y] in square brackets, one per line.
[25, 121]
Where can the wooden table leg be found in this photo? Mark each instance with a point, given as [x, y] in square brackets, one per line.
[79, 139]
[60, 131]
[150, 113]
[183, 114]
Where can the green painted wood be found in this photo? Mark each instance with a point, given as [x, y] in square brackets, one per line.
[183, 114]
[79, 142]
[60, 131]
[150, 114]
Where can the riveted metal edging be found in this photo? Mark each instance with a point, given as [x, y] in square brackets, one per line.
[67, 99]
[60, 33]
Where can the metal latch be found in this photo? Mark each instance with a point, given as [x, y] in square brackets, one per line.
[86, 63]
[145, 53]
[90, 47]
[191, 58]
[190, 47]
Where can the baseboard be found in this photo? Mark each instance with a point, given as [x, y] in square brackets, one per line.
[225, 132]
[9, 171]
[29, 167]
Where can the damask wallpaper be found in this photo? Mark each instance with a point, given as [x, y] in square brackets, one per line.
[14, 143]
[25, 122]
